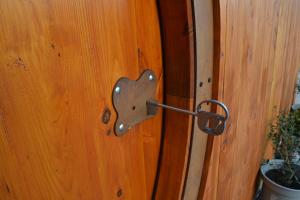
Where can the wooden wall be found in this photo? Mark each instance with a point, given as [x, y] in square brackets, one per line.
[259, 57]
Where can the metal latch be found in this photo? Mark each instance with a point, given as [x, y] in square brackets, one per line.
[135, 102]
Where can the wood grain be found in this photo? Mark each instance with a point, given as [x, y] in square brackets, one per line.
[59, 61]
[259, 58]
[178, 51]
[178, 46]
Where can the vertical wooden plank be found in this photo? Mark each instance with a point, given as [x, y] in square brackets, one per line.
[258, 63]
[208, 187]
[203, 20]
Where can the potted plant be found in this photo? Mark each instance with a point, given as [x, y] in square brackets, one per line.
[281, 176]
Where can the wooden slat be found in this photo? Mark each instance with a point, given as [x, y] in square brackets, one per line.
[178, 53]
[203, 11]
[259, 58]
[209, 172]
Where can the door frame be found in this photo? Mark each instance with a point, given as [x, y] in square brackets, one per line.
[189, 50]
[178, 47]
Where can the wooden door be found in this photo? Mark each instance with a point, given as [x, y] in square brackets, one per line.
[59, 61]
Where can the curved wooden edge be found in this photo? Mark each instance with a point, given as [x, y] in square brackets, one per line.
[177, 28]
[211, 154]
[203, 19]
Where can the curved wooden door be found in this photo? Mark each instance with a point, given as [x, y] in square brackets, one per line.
[59, 61]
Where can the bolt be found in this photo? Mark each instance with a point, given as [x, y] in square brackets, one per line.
[150, 77]
[121, 127]
[118, 89]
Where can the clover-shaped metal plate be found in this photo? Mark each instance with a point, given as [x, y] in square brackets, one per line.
[130, 100]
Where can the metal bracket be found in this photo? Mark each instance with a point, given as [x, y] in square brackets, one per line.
[135, 102]
[129, 100]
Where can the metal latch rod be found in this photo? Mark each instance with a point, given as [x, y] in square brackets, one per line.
[208, 122]
[155, 103]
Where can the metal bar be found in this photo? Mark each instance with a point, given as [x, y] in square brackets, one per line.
[171, 108]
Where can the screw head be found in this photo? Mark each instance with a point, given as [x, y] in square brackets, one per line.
[121, 127]
[117, 89]
[150, 77]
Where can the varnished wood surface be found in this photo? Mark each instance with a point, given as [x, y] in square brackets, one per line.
[178, 46]
[178, 50]
[175, 150]
[259, 57]
[59, 61]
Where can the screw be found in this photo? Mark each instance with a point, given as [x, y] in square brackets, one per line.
[150, 77]
[118, 89]
[121, 127]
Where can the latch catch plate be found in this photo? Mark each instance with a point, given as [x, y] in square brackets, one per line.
[130, 100]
